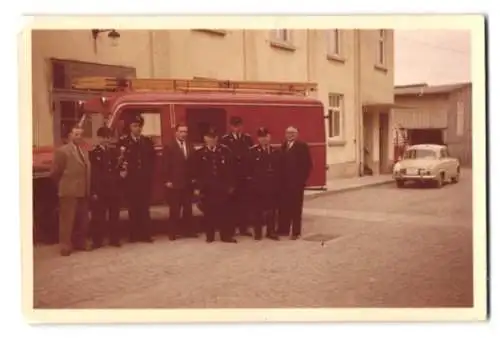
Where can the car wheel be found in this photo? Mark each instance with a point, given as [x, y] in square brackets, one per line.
[400, 183]
[457, 177]
[438, 183]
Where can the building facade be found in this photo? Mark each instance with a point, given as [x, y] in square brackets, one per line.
[437, 114]
[353, 69]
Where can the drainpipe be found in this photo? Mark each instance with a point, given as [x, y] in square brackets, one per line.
[244, 49]
[357, 103]
[151, 55]
[308, 55]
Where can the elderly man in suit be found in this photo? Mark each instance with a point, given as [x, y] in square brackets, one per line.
[296, 167]
[71, 171]
[178, 182]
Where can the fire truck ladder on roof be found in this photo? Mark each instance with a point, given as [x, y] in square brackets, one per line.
[112, 84]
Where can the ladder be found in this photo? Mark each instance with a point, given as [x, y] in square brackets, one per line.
[114, 84]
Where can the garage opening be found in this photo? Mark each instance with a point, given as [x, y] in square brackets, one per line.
[425, 136]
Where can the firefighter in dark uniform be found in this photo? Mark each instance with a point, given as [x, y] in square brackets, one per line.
[213, 175]
[139, 156]
[239, 143]
[263, 173]
[105, 193]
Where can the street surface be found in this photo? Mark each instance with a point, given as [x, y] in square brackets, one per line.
[389, 247]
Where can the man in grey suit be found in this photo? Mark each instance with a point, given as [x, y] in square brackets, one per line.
[71, 171]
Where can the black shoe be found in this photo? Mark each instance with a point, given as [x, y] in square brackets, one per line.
[83, 248]
[96, 245]
[191, 235]
[273, 237]
[133, 240]
[294, 237]
[246, 233]
[65, 252]
[258, 238]
[209, 240]
[115, 244]
[229, 240]
[148, 240]
[172, 237]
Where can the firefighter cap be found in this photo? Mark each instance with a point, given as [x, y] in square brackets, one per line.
[136, 118]
[262, 132]
[210, 132]
[104, 132]
[235, 121]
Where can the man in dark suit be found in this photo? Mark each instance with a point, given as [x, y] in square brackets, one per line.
[105, 190]
[178, 182]
[139, 157]
[214, 181]
[239, 143]
[296, 167]
[263, 173]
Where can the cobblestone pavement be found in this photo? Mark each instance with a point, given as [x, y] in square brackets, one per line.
[394, 248]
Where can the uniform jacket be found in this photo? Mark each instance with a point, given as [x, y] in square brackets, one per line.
[214, 170]
[177, 168]
[264, 169]
[105, 170]
[296, 164]
[140, 157]
[239, 147]
[71, 172]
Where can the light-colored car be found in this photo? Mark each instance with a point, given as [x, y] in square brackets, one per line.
[427, 163]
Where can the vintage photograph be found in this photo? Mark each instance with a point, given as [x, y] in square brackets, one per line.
[252, 168]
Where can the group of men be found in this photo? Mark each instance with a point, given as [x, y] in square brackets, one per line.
[238, 185]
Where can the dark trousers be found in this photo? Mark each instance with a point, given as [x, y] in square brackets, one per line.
[264, 204]
[180, 200]
[138, 200]
[215, 217]
[105, 212]
[267, 219]
[238, 208]
[290, 211]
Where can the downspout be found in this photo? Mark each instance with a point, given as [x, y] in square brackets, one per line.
[308, 56]
[357, 102]
[244, 49]
[151, 55]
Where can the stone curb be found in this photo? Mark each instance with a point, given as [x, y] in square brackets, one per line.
[346, 189]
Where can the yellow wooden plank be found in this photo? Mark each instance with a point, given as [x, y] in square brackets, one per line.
[109, 83]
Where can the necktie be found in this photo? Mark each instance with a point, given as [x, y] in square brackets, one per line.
[80, 153]
[183, 146]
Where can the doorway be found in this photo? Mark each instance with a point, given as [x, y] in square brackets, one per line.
[199, 120]
[384, 167]
[425, 136]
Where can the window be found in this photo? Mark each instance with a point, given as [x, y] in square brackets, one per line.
[460, 118]
[334, 42]
[283, 35]
[335, 115]
[69, 116]
[420, 153]
[381, 47]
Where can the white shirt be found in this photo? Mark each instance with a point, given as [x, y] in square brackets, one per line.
[182, 144]
[290, 144]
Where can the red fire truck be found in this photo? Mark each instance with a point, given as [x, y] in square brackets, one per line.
[199, 103]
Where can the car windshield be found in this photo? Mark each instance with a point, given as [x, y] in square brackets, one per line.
[420, 153]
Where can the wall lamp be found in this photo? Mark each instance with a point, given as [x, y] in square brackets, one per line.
[113, 35]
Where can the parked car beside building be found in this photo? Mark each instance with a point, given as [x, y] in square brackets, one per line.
[427, 163]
